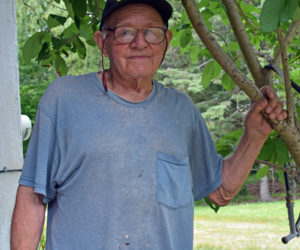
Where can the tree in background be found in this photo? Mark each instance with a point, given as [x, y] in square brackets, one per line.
[245, 44]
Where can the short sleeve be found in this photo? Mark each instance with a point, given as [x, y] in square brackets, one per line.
[41, 158]
[206, 164]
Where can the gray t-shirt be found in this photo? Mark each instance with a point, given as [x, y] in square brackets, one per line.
[117, 174]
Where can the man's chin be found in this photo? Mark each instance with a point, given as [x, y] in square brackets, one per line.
[141, 72]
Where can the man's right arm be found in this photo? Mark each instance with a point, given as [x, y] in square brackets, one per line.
[28, 219]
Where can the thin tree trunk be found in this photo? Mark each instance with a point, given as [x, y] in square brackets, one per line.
[264, 191]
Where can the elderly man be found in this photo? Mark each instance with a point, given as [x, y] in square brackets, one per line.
[119, 158]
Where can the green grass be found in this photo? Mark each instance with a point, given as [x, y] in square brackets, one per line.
[245, 226]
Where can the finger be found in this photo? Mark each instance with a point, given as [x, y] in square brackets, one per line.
[274, 113]
[259, 105]
[270, 93]
[282, 116]
[272, 103]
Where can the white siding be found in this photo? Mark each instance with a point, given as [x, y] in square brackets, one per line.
[10, 127]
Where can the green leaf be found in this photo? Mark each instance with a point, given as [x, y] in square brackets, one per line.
[70, 31]
[55, 20]
[211, 205]
[270, 15]
[33, 46]
[262, 172]
[44, 53]
[203, 3]
[185, 37]
[185, 17]
[267, 151]
[79, 7]
[207, 14]
[224, 149]
[281, 177]
[214, 6]
[69, 8]
[57, 43]
[227, 143]
[233, 46]
[175, 41]
[60, 65]
[194, 53]
[211, 71]
[80, 48]
[224, 17]
[282, 153]
[234, 135]
[183, 26]
[288, 10]
[227, 82]
[85, 30]
[296, 15]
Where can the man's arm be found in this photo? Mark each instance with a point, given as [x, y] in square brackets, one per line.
[28, 219]
[237, 167]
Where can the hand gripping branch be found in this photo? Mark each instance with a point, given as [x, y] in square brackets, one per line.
[294, 227]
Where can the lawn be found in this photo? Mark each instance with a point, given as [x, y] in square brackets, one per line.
[246, 226]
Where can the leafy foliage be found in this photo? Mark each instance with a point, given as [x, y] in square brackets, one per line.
[275, 12]
[30, 97]
[70, 30]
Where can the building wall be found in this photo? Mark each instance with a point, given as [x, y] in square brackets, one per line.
[10, 127]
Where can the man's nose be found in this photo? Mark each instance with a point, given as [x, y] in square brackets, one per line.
[139, 40]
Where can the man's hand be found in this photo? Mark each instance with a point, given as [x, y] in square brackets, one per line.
[257, 129]
[255, 123]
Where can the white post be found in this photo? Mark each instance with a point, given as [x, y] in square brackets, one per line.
[11, 156]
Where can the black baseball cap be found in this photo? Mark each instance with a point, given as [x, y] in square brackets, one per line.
[163, 8]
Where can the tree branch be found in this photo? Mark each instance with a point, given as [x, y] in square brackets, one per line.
[244, 41]
[264, 55]
[289, 134]
[71, 38]
[288, 38]
[291, 33]
[273, 165]
[217, 52]
[205, 63]
[245, 17]
[286, 78]
[227, 45]
[56, 6]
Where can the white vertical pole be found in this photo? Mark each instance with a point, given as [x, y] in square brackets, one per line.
[11, 156]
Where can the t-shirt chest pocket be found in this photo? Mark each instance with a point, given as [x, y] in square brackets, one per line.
[174, 187]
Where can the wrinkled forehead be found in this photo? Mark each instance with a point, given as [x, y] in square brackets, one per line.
[135, 14]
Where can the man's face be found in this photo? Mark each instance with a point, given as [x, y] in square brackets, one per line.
[138, 58]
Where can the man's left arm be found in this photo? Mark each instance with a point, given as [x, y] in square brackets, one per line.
[236, 168]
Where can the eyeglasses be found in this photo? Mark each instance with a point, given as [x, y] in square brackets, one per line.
[123, 34]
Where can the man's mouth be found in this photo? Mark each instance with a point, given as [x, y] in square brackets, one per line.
[137, 57]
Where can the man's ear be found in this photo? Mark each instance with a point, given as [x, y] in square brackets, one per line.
[169, 35]
[99, 38]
